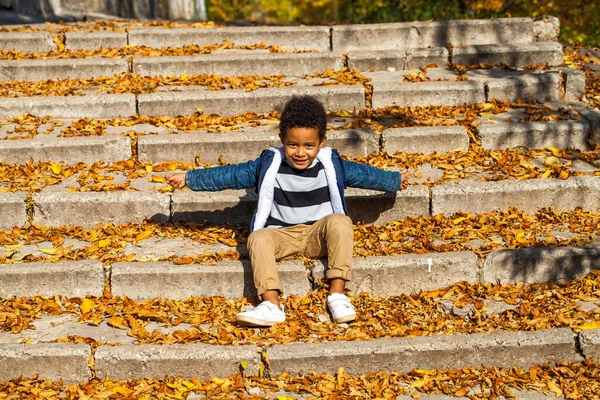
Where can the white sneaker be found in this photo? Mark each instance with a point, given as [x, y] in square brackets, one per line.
[265, 314]
[340, 307]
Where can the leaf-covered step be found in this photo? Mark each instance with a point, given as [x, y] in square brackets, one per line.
[540, 382]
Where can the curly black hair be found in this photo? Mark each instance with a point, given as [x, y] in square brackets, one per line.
[303, 112]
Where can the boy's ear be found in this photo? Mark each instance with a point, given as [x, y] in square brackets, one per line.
[281, 137]
[322, 142]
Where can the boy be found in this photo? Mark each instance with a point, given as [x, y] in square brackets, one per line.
[301, 208]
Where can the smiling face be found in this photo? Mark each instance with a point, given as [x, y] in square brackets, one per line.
[301, 146]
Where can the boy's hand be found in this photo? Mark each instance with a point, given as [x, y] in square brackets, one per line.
[177, 180]
[405, 177]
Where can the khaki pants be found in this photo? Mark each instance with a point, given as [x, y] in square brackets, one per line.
[331, 236]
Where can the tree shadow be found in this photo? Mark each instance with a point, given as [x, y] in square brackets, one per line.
[546, 264]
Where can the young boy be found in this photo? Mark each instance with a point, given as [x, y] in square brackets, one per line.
[301, 207]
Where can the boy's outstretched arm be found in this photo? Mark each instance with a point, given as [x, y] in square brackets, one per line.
[236, 176]
[368, 177]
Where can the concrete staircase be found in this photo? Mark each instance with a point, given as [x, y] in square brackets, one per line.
[101, 257]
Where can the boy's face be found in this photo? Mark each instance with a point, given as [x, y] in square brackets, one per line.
[301, 146]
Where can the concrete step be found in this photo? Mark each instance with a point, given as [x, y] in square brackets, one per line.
[513, 55]
[506, 350]
[226, 63]
[136, 200]
[441, 86]
[322, 38]
[142, 340]
[444, 87]
[560, 125]
[406, 35]
[165, 260]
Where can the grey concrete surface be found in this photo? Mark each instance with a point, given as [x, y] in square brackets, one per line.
[537, 135]
[88, 149]
[90, 106]
[427, 140]
[507, 86]
[377, 207]
[68, 278]
[13, 210]
[236, 147]
[289, 38]
[200, 361]
[94, 40]
[382, 60]
[513, 55]
[54, 69]
[528, 195]
[499, 349]
[592, 116]
[238, 101]
[90, 208]
[27, 42]
[230, 279]
[407, 35]
[54, 361]
[252, 63]
[406, 274]
[538, 265]
[589, 342]
[228, 206]
[574, 83]
[424, 94]
[417, 58]
[546, 28]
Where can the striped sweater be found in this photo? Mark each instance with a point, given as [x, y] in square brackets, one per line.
[300, 196]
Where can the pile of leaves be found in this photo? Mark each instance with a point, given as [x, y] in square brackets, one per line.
[136, 84]
[574, 381]
[135, 51]
[113, 25]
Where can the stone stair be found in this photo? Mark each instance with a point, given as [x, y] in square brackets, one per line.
[429, 96]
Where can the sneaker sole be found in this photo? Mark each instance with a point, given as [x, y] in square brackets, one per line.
[347, 318]
[249, 321]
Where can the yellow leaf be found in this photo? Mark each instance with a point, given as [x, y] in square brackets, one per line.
[87, 305]
[122, 390]
[143, 235]
[51, 251]
[148, 168]
[340, 376]
[556, 152]
[553, 388]
[418, 383]
[117, 322]
[521, 237]
[55, 168]
[459, 220]
[11, 253]
[590, 325]
[103, 243]
[157, 179]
